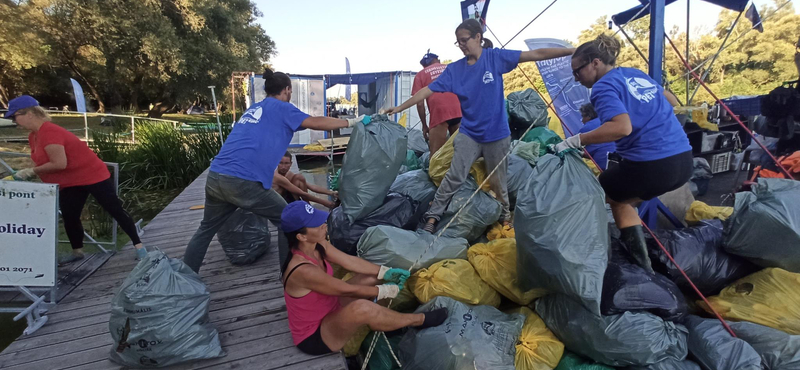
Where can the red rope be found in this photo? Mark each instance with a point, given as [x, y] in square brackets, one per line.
[663, 249]
[696, 77]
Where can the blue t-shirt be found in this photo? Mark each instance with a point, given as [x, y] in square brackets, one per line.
[656, 131]
[258, 141]
[598, 151]
[479, 88]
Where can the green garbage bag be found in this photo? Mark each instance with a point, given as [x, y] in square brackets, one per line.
[765, 225]
[528, 151]
[381, 358]
[374, 156]
[527, 108]
[628, 339]
[518, 172]
[335, 180]
[415, 184]
[412, 162]
[159, 316]
[562, 230]
[390, 246]
[544, 136]
[571, 361]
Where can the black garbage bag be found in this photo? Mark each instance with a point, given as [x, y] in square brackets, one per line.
[415, 184]
[715, 348]
[562, 230]
[472, 337]
[778, 350]
[525, 108]
[425, 161]
[631, 338]
[698, 250]
[374, 155]
[382, 358]
[397, 210]
[159, 316]
[628, 287]
[244, 237]
[765, 225]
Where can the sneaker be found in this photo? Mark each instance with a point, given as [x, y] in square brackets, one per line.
[141, 253]
[429, 227]
[72, 257]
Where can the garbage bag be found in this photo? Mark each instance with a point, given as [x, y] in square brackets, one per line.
[537, 347]
[700, 176]
[454, 278]
[478, 214]
[518, 172]
[528, 151]
[628, 287]
[405, 301]
[390, 246]
[397, 210]
[353, 345]
[716, 349]
[382, 358]
[415, 184]
[544, 136]
[440, 164]
[571, 361]
[335, 180]
[765, 226]
[472, 337]
[562, 243]
[528, 107]
[244, 237]
[699, 211]
[374, 154]
[416, 141]
[631, 338]
[668, 364]
[159, 316]
[412, 162]
[425, 161]
[496, 263]
[770, 297]
[499, 231]
[778, 350]
[698, 250]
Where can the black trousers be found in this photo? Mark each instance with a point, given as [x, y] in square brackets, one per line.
[72, 199]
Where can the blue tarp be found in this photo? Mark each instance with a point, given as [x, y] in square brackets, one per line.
[627, 16]
[356, 78]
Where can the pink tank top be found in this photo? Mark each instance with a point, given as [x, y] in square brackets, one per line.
[307, 312]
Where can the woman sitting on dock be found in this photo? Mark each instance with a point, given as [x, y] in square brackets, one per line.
[324, 312]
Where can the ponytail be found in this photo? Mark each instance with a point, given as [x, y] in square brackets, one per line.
[275, 82]
[604, 47]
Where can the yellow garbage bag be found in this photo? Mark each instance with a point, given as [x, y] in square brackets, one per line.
[770, 297]
[314, 147]
[700, 211]
[456, 279]
[498, 231]
[354, 344]
[590, 164]
[537, 347]
[496, 263]
[403, 121]
[440, 164]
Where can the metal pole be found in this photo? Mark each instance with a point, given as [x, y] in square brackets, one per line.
[714, 59]
[688, 2]
[233, 99]
[216, 112]
[656, 40]
[133, 131]
[85, 126]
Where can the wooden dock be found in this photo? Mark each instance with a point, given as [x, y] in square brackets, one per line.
[247, 307]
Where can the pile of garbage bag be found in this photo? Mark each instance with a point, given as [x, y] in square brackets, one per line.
[525, 108]
[562, 230]
[390, 246]
[544, 136]
[698, 250]
[397, 210]
[496, 263]
[778, 350]
[374, 150]
[537, 347]
[416, 141]
[770, 297]
[479, 337]
[244, 237]
[478, 214]
[765, 226]
[454, 278]
[440, 164]
[159, 316]
[715, 348]
[631, 338]
[699, 211]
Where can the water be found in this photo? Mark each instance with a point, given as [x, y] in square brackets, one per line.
[10, 329]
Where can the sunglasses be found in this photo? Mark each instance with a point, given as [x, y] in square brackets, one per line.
[576, 72]
[14, 116]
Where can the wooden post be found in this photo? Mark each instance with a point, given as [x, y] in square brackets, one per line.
[133, 131]
[85, 126]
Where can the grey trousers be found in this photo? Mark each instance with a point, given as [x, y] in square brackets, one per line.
[224, 194]
[465, 152]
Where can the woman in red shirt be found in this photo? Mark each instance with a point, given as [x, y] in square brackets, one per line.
[62, 158]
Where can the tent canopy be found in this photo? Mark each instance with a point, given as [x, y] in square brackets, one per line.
[628, 15]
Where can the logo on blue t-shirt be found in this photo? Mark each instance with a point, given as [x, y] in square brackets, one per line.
[641, 89]
[487, 77]
[253, 115]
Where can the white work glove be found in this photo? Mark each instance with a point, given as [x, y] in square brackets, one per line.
[361, 119]
[388, 291]
[24, 175]
[572, 142]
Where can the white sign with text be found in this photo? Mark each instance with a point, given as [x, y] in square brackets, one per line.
[28, 233]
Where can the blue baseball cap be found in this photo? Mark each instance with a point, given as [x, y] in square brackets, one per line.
[300, 214]
[20, 102]
[428, 58]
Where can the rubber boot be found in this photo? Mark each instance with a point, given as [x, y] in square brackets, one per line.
[633, 238]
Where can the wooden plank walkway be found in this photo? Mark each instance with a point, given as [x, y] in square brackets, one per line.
[69, 278]
[247, 307]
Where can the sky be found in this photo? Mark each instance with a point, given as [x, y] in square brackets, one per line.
[315, 36]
